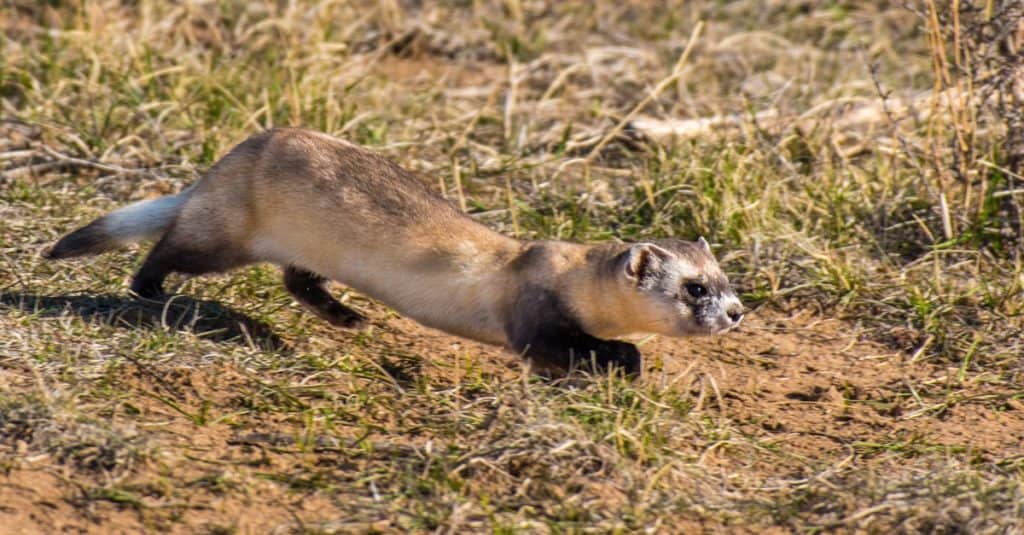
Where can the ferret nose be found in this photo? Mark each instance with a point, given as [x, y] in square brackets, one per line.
[735, 312]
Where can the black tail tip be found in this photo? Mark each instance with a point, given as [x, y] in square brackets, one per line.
[62, 249]
[89, 239]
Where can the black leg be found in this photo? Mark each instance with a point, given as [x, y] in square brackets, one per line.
[308, 289]
[545, 333]
[148, 281]
[166, 257]
[567, 352]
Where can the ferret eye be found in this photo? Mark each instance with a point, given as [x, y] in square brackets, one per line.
[696, 289]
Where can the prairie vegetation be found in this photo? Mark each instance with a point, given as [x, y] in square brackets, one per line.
[858, 172]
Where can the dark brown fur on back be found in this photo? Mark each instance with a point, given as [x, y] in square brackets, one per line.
[390, 190]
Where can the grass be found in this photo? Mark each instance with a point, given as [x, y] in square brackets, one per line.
[877, 385]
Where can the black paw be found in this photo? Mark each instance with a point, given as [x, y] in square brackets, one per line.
[342, 316]
[618, 357]
[147, 290]
[597, 357]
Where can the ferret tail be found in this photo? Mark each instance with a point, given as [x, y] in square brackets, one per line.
[133, 223]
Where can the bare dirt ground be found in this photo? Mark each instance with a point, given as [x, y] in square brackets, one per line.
[802, 398]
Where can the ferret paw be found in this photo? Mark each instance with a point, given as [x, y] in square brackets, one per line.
[344, 317]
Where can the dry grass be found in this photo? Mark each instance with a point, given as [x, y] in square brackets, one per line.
[878, 386]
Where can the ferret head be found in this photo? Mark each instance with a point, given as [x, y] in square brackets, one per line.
[670, 287]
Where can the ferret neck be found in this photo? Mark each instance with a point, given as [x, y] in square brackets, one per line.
[593, 293]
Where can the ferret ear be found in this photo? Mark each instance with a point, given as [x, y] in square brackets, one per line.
[704, 244]
[643, 261]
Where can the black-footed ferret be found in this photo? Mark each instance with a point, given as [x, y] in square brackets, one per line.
[323, 208]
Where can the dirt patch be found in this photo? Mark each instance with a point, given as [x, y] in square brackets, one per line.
[825, 392]
[810, 387]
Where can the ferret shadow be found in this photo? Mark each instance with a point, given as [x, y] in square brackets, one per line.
[207, 319]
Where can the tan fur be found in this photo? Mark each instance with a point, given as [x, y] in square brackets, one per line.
[299, 198]
[288, 198]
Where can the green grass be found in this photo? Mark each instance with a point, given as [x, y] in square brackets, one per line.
[877, 386]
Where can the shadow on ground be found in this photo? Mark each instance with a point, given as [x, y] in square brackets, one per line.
[207, 319]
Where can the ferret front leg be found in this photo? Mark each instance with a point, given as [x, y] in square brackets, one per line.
[556, 351]
[543, 332]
